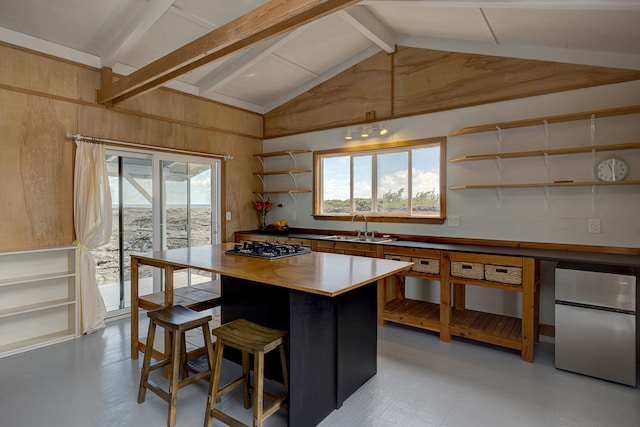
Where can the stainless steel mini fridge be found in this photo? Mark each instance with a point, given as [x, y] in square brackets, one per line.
[596, 321]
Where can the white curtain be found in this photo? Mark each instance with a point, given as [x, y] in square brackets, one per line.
[92, 220]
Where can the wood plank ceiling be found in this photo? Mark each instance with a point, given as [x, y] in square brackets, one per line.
[262, 65]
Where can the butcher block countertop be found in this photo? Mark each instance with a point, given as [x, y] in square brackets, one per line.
[316, 272]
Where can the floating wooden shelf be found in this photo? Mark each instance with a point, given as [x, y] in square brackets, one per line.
[260, 193]
[281, 153]
[551, 152]
[632, 109]
[547, 184]
[285, 172]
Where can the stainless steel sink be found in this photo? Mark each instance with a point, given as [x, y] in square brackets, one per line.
[374, 239]
[343, 238]
[368, 239]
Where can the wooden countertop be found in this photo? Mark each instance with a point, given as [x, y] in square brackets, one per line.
[521, 249]
[317, 272]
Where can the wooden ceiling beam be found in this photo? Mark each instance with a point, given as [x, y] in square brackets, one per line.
[269, 20]
[370, 26]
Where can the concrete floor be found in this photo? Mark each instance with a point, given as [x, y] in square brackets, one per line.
[421, 381]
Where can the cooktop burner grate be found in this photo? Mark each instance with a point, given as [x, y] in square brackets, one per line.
[267, 250]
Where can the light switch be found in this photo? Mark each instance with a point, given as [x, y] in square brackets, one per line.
[228, 216]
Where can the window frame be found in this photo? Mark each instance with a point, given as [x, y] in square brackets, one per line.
[378, 149]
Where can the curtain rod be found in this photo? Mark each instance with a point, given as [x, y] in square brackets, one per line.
[115, 143]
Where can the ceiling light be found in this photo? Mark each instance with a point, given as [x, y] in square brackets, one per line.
[365, 132]
[348, 136]
[383, 129]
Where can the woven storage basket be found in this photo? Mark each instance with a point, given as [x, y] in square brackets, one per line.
[398, 257]
[502, 274]
[426, 265]
[468, 270]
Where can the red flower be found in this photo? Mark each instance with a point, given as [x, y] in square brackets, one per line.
[263, 206]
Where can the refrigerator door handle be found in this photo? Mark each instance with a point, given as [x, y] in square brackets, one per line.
[594, 307]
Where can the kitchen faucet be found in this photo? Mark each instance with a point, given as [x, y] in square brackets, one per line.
[366, 224]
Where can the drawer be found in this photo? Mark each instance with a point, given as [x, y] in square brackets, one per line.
[426, 265]
[503, 274]
[468, 270]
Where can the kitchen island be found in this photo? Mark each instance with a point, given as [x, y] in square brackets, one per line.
[327, 303]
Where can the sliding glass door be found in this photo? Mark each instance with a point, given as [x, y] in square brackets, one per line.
[187, 212]
[160, 201]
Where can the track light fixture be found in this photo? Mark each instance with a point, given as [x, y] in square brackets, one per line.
[348, 136]
[367, 130]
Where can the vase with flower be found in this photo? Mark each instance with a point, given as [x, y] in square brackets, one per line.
[263, 207]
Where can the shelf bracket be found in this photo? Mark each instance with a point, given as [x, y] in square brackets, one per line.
[499, 196]
[499, 165]
[546, 196]
[293, 198]
[593, 129]
[546, 133]
[546, 165]
[499, 130]
[593, 197]
[261, 178]
[261, 161]
[293, 178]
[293, 159]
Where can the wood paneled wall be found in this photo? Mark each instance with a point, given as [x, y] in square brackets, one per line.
[42, 98]
[418, 81]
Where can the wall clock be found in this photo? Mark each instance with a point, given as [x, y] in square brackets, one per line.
[611, 169]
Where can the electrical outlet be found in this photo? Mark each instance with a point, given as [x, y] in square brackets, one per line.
[453, 221]
[228, 215]
[594, 226]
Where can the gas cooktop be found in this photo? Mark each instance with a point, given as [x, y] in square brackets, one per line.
[267, 250]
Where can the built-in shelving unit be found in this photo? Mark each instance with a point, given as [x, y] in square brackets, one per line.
[291, 172]
[38, 298]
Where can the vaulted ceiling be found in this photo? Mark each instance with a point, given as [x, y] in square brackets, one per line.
[127, 35]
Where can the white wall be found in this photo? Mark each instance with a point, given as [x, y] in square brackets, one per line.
[523, 214]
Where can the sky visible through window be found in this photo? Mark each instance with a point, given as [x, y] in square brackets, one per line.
[175, 191]
[392, 171]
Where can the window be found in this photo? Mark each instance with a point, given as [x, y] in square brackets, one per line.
[403, 181]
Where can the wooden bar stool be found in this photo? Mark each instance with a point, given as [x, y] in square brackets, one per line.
[251, 339]
[177, 320]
